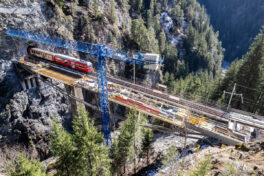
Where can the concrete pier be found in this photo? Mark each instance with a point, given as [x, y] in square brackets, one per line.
[77, 92]
[23, 85]
[28, 83]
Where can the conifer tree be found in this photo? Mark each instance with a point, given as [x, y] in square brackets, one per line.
[81, 153]
[96, 9]
[120, 151]
[112, 11]
[63, 147]
[147, 139]
[26, 167]
[162, 41]
[92, 155]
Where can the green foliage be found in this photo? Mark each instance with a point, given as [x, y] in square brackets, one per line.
[81, 153]
[156, 23]
[162, 41]
[249, 73]
[171, 156]
[26, 167]
[96, 9]
[112, 11]
[62, 146]
[203, 167]
[145, 38]
[120, 150]
[136, 5]
[60, 3]
[230, 169]
[146, 142]
[238, 23]
[201, 51]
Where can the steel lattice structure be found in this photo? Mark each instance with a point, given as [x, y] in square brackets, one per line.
[102, 52]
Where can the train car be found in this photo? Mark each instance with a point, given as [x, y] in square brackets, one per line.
[161, 87]
[62, 59]
[135, 103]
[174, 98]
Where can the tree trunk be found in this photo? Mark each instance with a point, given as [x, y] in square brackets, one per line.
[147, 157]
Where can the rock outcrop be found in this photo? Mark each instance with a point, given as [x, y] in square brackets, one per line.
[244, 159]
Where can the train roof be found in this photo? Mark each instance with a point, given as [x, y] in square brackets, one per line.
[71, 58]
[37, 49]
[62, 56]
[67, 57]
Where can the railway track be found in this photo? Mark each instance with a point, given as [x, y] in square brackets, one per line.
[217, 116]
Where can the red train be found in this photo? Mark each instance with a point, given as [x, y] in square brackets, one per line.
[62, 59]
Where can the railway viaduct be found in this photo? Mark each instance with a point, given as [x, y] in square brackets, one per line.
[146, 102]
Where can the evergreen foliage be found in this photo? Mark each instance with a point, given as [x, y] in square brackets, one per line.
[171, 156]
[26, 167]
[248, 73]
[60, 3]
[120, 150]
[162, 41]
[203, 167]
[95, 9]
[145, 38]
[81, 153]
[238, 22]
[112, 11]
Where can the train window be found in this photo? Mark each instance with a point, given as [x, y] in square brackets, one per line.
[61, 60]
[49, 57]
[79, 65]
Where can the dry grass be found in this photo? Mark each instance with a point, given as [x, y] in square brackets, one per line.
[8, 153]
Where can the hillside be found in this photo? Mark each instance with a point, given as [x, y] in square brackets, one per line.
[240, 160]
[248, 74]
[188, 46]
[238, 22]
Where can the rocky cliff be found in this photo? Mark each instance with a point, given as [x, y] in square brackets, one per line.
[27, 114]
[244, 159]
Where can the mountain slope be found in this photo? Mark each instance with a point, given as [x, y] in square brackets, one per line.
[248, 73]
[238, 22]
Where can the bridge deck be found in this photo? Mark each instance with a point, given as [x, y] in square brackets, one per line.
[148, 102]
[59, 75]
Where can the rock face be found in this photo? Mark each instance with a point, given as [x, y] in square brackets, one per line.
[27, 114]
[246, 159]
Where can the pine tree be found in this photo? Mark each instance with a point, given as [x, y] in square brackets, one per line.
[157, 23]
[92, 155]
[203, 167]
[112, 11]
[162, 41]
[147, 139]
[145, 38]
[151, 43]
[81, 153]
[120, 151]
[63, 147]
[26, 167]
[96, 9]
[250, 73]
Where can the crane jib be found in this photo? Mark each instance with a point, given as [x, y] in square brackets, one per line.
[94, 49]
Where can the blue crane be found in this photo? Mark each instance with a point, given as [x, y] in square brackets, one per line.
[100, 51]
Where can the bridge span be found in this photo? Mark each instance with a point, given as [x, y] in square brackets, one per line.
[229, 128]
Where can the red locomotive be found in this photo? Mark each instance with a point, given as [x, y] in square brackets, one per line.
[62, 59]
